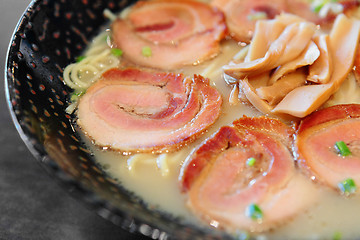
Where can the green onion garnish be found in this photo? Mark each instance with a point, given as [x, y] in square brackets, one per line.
[75, 95]
[251, 162]
[80, 58]
[254, 212]
[347, 186]
[342, 148]
[317, 5]
[337, 236]
[73, 98]
[317, 8]
[117, 52]
[146, 51]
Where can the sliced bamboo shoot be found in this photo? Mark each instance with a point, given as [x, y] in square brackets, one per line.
[307, 57]
[344, 38]
[253, 98]
[320, 71]
[288, 46]
[273, 94]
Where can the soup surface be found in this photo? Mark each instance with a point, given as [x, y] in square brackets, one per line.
[155, 177]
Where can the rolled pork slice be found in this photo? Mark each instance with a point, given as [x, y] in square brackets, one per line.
[135, 110]
[244, 177]
[316, 145]
[175, 32]
[241, 16]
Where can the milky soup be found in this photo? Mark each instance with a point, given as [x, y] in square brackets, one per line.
[154, 176]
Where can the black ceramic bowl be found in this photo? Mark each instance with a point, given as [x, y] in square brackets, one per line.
[48, 37]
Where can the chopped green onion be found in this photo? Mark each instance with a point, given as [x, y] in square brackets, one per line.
[254, 212]
[257, 16]
[337, 236]
[251, 162]
[317, 5]
[146, 51]
[75, 95]
[317, 8]
[117, 52]
[106, 37]
[342, 148]
[80, 58]
[73, 98]
[347, 186]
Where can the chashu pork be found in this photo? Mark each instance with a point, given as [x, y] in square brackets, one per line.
[316, 142]
[242, 15]
[222, 186]
[134, 110]
[176, 32]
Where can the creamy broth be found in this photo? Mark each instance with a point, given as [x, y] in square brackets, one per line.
[154, 177]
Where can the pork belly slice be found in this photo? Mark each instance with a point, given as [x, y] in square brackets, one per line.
[316, 144]
[177, 33]
[222, 185]
[141, 111]
[241, 16]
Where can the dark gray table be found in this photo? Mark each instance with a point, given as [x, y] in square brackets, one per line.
[32, 205]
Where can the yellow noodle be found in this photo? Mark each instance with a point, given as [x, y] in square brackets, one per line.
[162, 164]
[240, 56]
[110, 15]
[98, 59]
[71, 108]
[82, 74]
[139, 158]
[209, 69]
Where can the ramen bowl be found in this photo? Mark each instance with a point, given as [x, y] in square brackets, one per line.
[49, 36]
